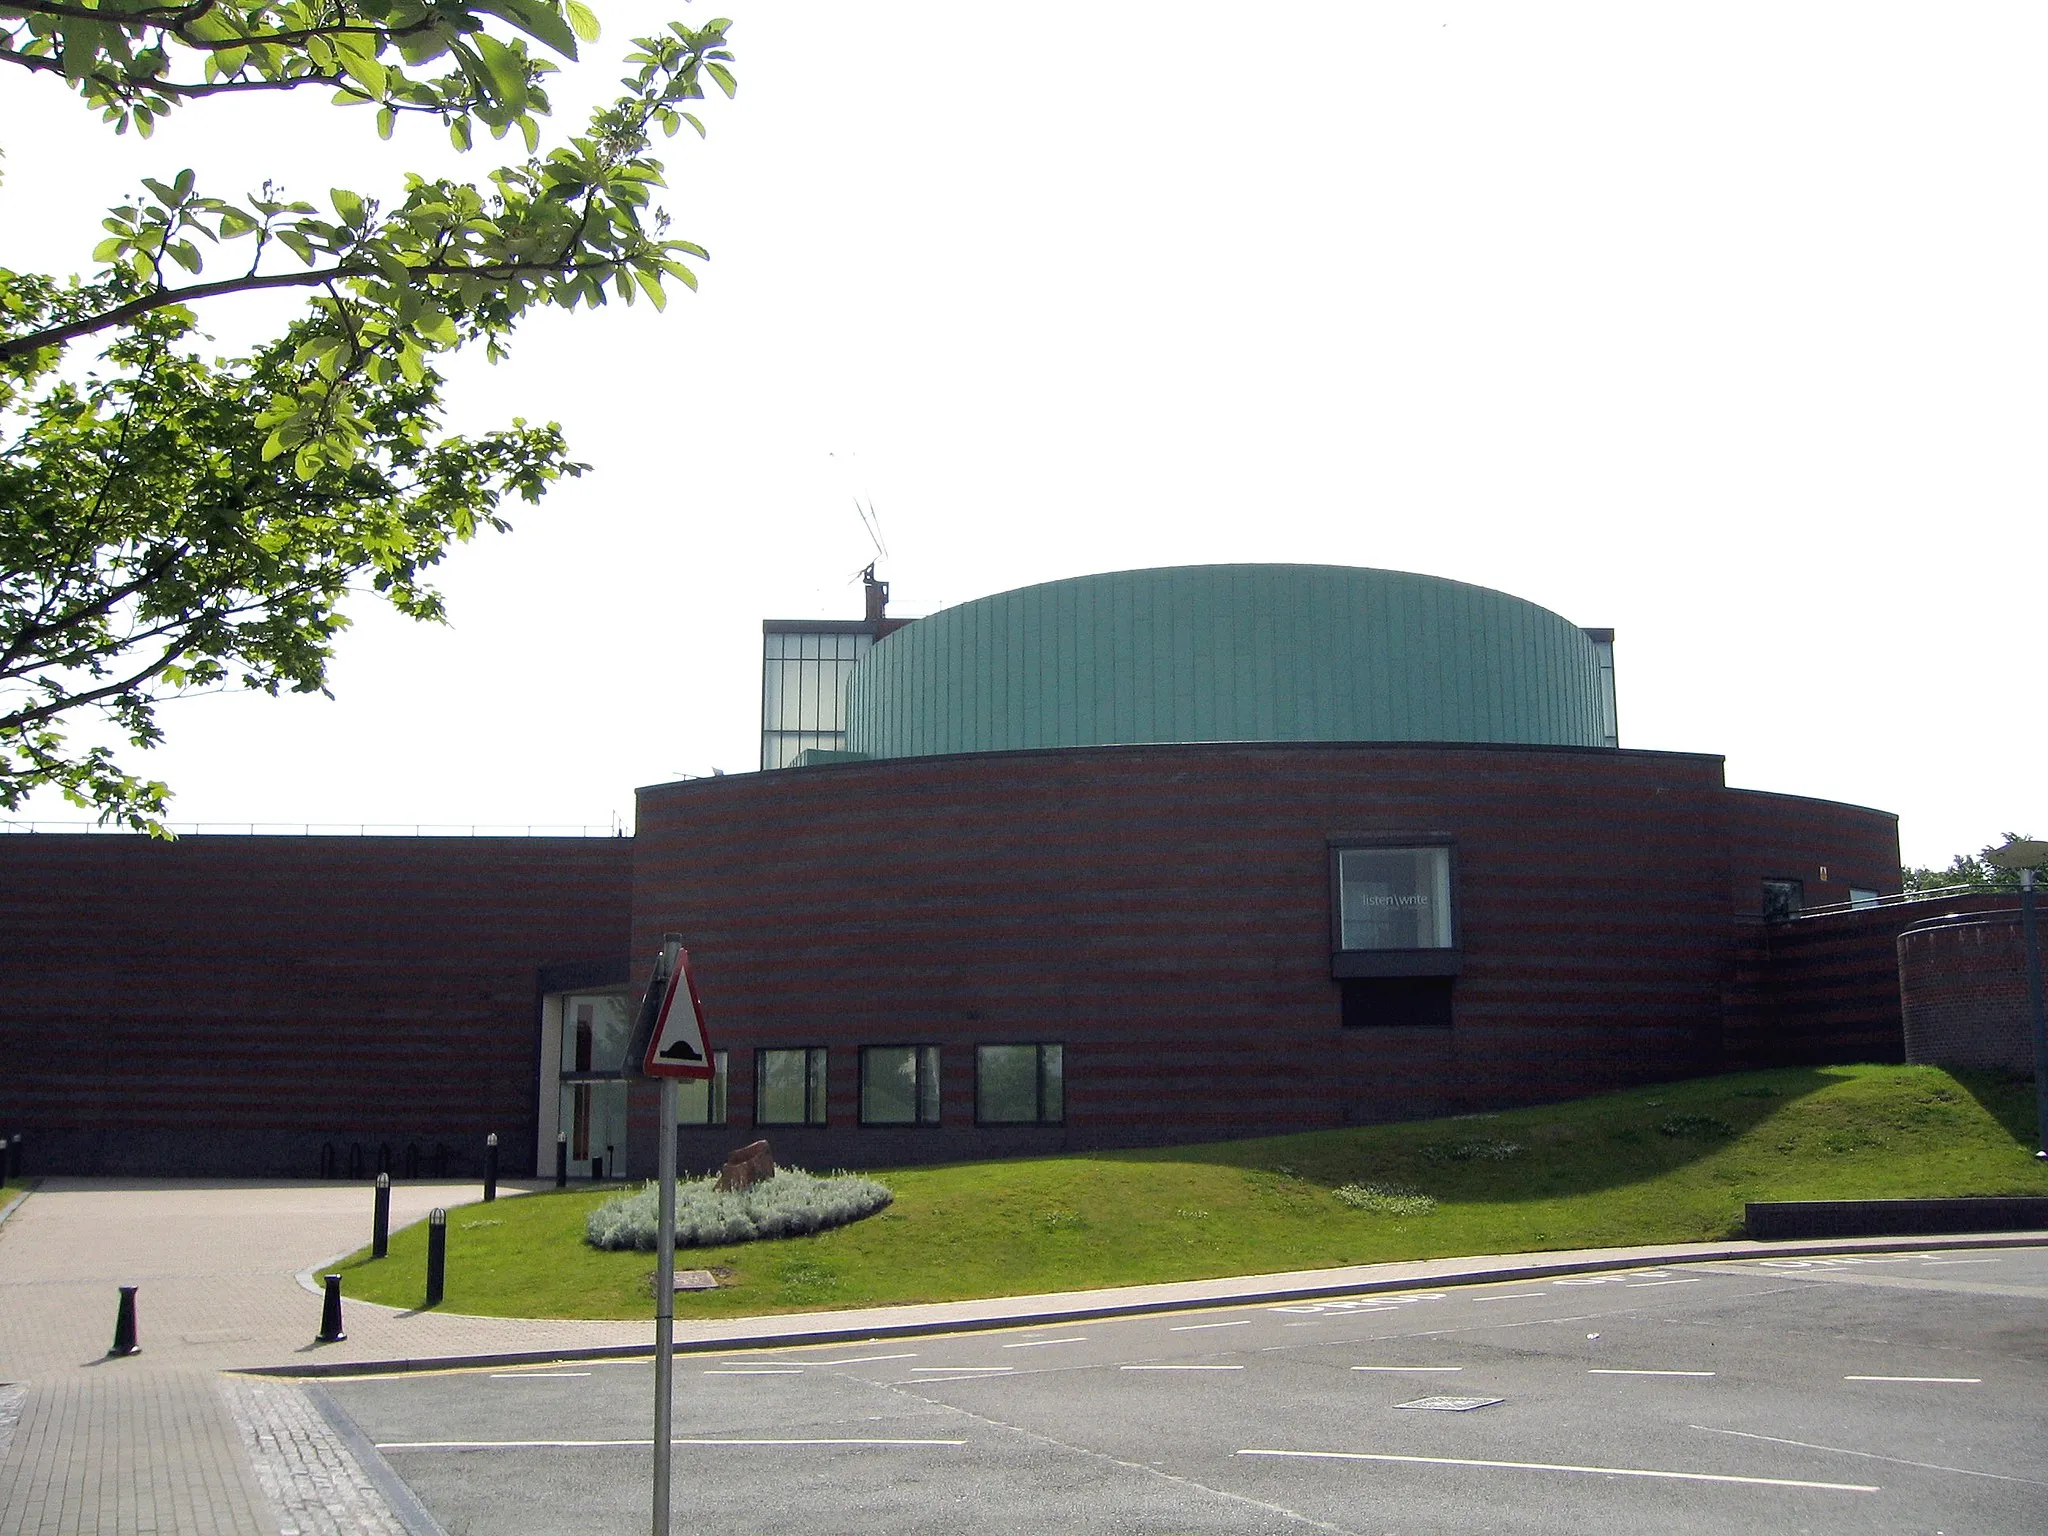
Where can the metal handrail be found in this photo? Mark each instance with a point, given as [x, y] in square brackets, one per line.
[1904, 898]
[326, 829]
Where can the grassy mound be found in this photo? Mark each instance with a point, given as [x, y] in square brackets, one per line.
[1670, 1163]
[792, 1204]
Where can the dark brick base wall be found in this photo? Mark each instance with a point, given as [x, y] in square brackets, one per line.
[226, 1005]
[1963, 982]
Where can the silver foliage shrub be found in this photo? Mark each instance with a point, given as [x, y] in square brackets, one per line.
[1385, 1199]
[789, 1205]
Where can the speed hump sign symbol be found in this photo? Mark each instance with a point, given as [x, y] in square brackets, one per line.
[678, 1046]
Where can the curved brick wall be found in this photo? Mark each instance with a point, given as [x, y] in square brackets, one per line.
[1963, 991]
[1164, 911]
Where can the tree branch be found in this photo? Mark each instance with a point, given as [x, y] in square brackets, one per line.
[115, 84]
[173, 21]
[166, 298]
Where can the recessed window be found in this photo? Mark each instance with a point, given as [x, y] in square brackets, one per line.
[1394, 898]
[701, 1100]
[1860, 897]
[789, 1087]
[1783, 899]
[1393, 907]
[1397, 1002]
[899, 1085]
[1020, 1085]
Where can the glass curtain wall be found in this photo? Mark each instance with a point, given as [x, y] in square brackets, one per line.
[803, 691]
[593, 1094]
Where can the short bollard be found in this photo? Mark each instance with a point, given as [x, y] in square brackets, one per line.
[330, 1314]
[561, 1159]
[380, 1221]
[124, 1325]
[437, 1254]
[491, 1166]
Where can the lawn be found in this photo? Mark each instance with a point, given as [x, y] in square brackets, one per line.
[1670, 1163]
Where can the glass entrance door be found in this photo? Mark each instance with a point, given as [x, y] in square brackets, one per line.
[594, 1119]
[592, 1100]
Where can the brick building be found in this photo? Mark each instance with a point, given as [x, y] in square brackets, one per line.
[1141, 858]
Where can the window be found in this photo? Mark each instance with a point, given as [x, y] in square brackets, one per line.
[1783, 898]
[789, 1087]
[899, 1085]
[1397, 1002]
[701, 1100]
[1859, 897]
[1392, 907]
[1395, 898]
[803, 689]
[1020, 1085]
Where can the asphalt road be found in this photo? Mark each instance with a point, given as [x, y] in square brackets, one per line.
[1871, 1394]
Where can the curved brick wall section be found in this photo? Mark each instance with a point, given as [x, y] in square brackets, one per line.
[1963, 990]
[1164, 912]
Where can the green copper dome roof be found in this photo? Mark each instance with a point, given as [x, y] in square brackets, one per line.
[1231, 653]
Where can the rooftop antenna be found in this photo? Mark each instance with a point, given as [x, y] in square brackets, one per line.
[871, 520]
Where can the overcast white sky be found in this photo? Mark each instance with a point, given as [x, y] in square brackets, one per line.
[1719, 324]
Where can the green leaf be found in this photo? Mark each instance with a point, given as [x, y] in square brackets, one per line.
[583, 19]
[651, 286]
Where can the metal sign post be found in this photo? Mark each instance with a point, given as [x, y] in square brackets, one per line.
[669, 1044]
[665, 1302]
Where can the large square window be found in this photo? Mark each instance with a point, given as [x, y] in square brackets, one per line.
[1394, 898]
[701, 1100]
[899, 1085]
[789, 1087]
[1393, 907]
[1020, 1084]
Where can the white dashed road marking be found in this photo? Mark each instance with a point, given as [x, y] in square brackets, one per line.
[1954, 1381]
[1180, 1367]
[1079, 1338]
[591, 1445]
[863, 1359]
[1407, 1367]
[764, 1370]
[1611, 1371]
[1240, 1322]
[537, 1375]
[1546, 1466]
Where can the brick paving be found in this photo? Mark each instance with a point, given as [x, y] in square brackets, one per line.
[161, 1442]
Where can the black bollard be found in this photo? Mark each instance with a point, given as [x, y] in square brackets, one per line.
[124, 1325]
[561, 1159]
[491, 1166]
[437, 1254]
[380, 1222]
[330, 1314]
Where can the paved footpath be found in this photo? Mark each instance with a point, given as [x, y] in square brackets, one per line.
[183, 1438]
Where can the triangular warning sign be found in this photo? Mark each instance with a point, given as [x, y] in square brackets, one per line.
[679, 1047]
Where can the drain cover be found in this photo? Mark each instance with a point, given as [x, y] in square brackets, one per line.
[1452, 1404]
